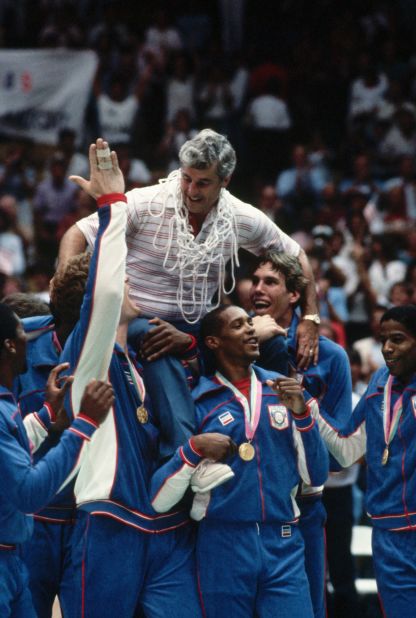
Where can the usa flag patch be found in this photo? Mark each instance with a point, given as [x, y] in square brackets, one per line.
[226, 418]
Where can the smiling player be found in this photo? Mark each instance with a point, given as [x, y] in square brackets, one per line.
[383, 426]
[249, 523]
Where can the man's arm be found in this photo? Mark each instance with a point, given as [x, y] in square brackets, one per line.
[30, 487]
[91, 344]
[101, 182]
[349, 444]
[307, 334]
[73, 242]
[311, 452]
[171, 481]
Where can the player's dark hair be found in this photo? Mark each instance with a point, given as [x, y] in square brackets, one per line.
[8, 323]
[26, 305]
[405, 315]
[211, 323]
[288, 265]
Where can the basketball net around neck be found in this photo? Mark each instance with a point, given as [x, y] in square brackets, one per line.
[193, 260]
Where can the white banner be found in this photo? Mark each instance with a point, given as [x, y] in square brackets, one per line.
[43, 91]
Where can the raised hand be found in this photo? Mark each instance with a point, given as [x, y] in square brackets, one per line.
[290, 394]
[105, 174]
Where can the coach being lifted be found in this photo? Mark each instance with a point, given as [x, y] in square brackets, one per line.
[180, 235]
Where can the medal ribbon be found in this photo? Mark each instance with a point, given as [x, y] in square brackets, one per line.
[391, 421]
[138, 382]
[251, 410]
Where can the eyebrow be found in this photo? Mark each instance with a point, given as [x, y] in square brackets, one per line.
[198, 179]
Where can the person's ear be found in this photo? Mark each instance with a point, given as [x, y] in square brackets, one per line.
[212, 342]
[294, 297]
[225, 181]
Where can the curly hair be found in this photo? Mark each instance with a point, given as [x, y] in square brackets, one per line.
[206, 148]
[68, 288]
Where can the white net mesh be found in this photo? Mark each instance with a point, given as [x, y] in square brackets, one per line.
[193, 260]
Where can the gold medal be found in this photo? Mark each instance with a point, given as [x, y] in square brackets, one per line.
[385, 456]
[246, 451]
[142, 414]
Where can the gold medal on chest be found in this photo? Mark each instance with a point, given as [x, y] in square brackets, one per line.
[246, 451]
[142, 414]
[385, 456]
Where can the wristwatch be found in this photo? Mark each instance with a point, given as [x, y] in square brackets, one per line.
[313, 317]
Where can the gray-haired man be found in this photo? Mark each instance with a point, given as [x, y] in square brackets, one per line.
[180, 235]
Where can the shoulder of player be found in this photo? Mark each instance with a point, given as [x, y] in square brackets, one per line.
[331, 349]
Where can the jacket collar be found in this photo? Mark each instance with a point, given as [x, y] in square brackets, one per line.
[207, 386]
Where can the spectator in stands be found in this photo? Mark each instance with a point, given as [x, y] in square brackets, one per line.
[180, 89]
[400, 293]
[369, 348]
[400, 140]
[367, 90]
[385, 269]
[215, 99]
[270, 204]
[176, 134]
[400, 192]
[54, 198]
[83, 206]
[361, 180]
[117, 110]
[300, 187]
[362, 299]
[12, 250]
[161, 35]
[268, 122]
[77, 162]
[135, 171]
[110, 31]
[17, 177]
[61, 28]
[195, 26]
[332, 210]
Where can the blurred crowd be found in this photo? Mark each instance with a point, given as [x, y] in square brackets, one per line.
[318, 99]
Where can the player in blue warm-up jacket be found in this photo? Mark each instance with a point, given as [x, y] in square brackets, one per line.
[126, 557]
[278, 284]
[25, 487]
[383, 427]
[248, 525]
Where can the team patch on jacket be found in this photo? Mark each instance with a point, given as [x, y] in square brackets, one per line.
[414, 405]
[278, 415]
[226, 418]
